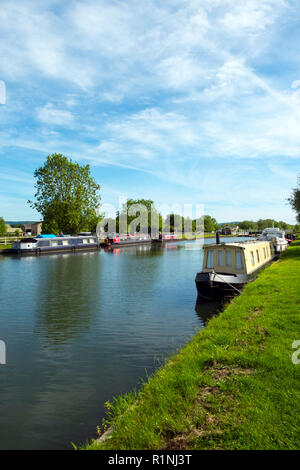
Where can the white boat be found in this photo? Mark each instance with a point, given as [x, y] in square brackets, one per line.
[277, 237]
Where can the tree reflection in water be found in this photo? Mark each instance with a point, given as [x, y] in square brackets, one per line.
[68, 296]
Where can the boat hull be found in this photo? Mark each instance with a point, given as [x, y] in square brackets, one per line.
[57, 249]
[214, 287]
[122, 243]
[280, 247]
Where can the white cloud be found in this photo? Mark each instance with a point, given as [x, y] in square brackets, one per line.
[93, 42]
[179, 71]
[52, 116]
[159, 86]
[251, 17]
[295, 84]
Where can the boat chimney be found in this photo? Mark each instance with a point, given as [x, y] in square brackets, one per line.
[217, 237]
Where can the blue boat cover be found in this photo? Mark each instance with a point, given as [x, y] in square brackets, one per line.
[46, 236]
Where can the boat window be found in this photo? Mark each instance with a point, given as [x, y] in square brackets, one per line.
[84, 240]
[92, 240]
[220, 258]
[252, 258]
[210, 259]
[65, 242]
[228, 258]
[257, 254]
[54, 243]
[238, 260]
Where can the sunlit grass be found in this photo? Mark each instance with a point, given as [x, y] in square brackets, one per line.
[5, 247]
[234, 386]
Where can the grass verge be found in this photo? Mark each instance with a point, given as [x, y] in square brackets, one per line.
[5, 247]
[234, 386]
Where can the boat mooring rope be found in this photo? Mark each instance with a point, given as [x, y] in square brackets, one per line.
[227, 282]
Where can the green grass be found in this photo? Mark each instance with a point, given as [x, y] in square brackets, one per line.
[5, 247]
[213, 235]
[234, 386]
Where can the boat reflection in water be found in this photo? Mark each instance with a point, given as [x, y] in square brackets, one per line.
[208, 309]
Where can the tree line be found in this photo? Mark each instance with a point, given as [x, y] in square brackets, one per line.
[68, 199]
[173, 223]
[261, 224]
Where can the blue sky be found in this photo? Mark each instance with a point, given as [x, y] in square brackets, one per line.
[194, 102]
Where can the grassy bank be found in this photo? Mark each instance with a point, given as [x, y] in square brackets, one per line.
[8, 246]
[213, 235]
[234, 386]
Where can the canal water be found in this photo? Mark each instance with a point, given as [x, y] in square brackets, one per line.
[82, 328]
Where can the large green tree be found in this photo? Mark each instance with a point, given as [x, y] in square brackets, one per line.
[245, 224]
[143, 208]
[210, 224]
[175, 223]
[294, 199]
[265, 223]
[66, 196]
[2, 227]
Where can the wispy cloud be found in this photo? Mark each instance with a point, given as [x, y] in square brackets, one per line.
[165, 89]
[52, 116]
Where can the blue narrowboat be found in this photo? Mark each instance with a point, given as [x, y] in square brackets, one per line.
[51, 243]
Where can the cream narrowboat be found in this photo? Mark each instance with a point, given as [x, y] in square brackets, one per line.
[227, 267]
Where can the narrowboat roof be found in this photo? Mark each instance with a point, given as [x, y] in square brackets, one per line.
[65, 237]
[243, 245]
[27, 240]
[272, 229]
[50, 235]
[72, 237]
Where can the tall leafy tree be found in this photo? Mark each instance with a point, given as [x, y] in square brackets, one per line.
[2, 227]
[245, 224]
[297, 228]
[175, 222]
[294, 199]
[264, 223]
[131, 215]
[66, 196]
[210, 224]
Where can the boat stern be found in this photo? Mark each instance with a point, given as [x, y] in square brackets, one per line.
[213, 286]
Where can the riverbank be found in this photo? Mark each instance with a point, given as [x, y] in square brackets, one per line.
[6, 246]
[234, 386]
[4, 249]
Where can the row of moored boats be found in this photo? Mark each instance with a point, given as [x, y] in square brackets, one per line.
[51, 243]
[227, 267]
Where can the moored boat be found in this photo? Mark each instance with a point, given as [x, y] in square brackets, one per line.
[168, 237]
[51, 243]
[116, 240]
[276, 237]
[227, 267]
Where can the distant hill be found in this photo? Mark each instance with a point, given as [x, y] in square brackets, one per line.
[229, 223]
